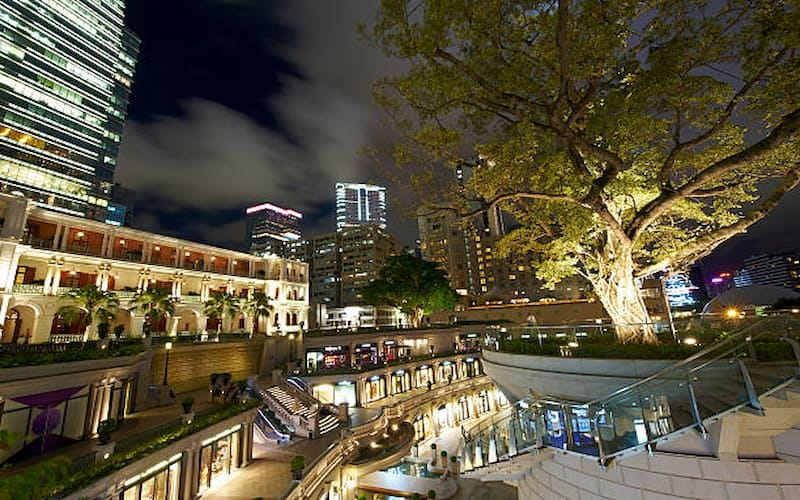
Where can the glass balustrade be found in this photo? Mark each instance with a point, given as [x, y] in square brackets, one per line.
[729, 375]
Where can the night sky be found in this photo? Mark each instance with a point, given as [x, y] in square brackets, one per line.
[238, 102]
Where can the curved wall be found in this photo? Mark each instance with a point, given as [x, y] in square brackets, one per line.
[660, 476]
[573, 379]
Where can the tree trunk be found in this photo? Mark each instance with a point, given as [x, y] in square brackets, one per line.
[618, 290]
[416, 318]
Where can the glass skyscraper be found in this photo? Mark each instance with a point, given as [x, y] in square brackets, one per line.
[66, 70]
[360, 204]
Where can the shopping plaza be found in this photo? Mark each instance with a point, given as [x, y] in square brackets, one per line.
[207, 407]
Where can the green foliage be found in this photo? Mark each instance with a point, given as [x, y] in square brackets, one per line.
[118, 330]
[613, 132]
[222, 305]
[89, 353]
[257, 307]
[154, 303]
[431, 494]
[89, 304]
[415, 286]
[87, 476]
[103, 329]
[298, 463]
[37, 481]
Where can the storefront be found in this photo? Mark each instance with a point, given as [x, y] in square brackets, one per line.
[323, 358]
[447, 371]
[345, 392]
[392, 351]
[463, 412]
[471, 367]
[375, 388]
[160, 482]
[469, 342]
[484, 404]
[401, 381]
[422, 427]
[219, 456]
[366, 354]
[422, 375]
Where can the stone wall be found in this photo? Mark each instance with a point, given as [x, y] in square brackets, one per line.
[190, 365]
[661, 476]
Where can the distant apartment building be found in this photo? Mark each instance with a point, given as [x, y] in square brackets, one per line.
[363, 252]
[341, 264]
[270, 228]
[779, 269]
[360, 204]
[66, 71]
[467, 251]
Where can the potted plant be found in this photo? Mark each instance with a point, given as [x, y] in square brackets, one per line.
[415, 496]
[187, 404]
[454, 465]
[431, 494]
[433, 454]
[443, 454]
[297, 465]
[119, 330]
[104, 430]
[102, 330]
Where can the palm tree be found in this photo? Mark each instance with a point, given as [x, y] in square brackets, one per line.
[221, 305]
[257, 306]
[90, 303]
[154, 303]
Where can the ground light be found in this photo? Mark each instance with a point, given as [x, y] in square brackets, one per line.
[690, 341]
[732, 313]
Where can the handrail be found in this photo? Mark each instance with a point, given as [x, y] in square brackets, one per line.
[724, 377]
[679, 364]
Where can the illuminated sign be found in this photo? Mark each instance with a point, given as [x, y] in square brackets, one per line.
[274, 208]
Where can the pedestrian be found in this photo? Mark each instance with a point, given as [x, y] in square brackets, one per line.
[429, 385]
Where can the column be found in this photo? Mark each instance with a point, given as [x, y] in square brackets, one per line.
[48, 280]
[180, 255]
[4, 309]
[64, 238]
[172, 325]
[41, 328]
[56, 278]
[104, 246]
[137, 325]
[57, 236]
[202, 323]
[145, 251]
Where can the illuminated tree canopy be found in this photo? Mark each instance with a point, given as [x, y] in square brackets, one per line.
[624, 136]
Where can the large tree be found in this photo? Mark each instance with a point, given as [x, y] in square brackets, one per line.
[154, 303]
[222, 305]
[413, 285]
[626, 137]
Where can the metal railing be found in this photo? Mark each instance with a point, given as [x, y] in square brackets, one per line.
[727, 376]
[29, 289]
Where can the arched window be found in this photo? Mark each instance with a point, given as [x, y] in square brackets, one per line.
[294, 318]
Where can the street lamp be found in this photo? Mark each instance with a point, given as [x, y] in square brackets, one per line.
[168, 347]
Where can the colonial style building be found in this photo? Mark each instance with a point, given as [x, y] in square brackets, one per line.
[44, 253]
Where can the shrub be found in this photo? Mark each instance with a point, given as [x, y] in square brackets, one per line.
[102, 330]
[119, 330]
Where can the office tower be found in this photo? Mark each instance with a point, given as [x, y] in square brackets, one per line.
[66, 70]
[780, 269]
[359, 204]
[120, 207]
[269, 227]
[443, 239]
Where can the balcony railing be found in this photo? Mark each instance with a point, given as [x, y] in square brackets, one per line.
[128, 256]
[38, 242]
[190, 299]
[163, 261]
[29, 289]
[83, 249]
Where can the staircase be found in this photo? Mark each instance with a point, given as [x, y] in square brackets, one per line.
[728, 376]
[297, 409]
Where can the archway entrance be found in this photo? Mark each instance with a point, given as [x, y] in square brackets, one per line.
[187, 322]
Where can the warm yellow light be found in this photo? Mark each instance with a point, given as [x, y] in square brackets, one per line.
[395, 427]
[373, 445]
[796, 311]
[572, 344]
[168, 346]
[690, 341]
[122, 242]
[732, 313]
[385, 435]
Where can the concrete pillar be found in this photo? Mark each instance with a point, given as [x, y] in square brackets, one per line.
[104, 245]
[172, 325]
[57, 236]
[56, 279]
[202, 323]
[64, 238]
[137, 325]
[48, 280]
[41, 328]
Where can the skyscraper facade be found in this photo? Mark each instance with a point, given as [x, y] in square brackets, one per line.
[269, 227]
[360, 204]
[780, 269]
[66, 70]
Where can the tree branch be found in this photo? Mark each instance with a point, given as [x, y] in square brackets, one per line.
[486, 205]
[789, 125]
[706, 244]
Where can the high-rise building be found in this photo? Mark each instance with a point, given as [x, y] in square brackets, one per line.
[270, 227]
[66, 70]
[363, 253]
[360, 204]
[780, 269]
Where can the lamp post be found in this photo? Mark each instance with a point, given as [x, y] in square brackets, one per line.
[168, 347]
